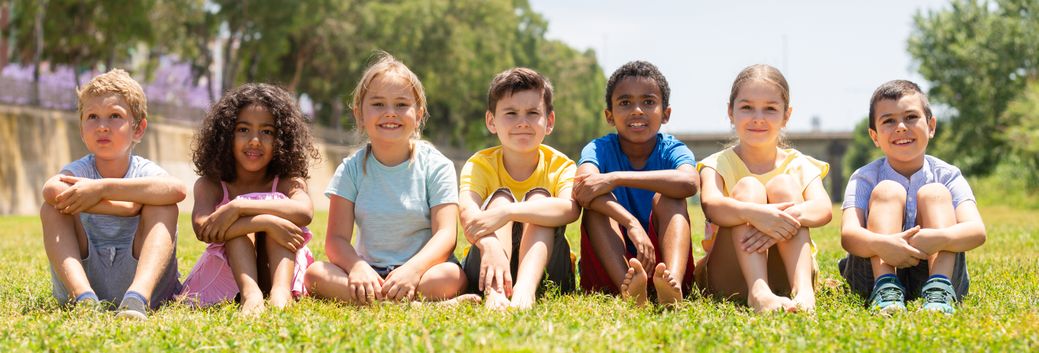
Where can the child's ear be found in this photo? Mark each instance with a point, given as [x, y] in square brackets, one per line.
[489, 121]
[551, 123]
[609, 116]
[932, 125]
[728, 111]
[873, 136]
[786, 116]
[667, 115]
[138, 134]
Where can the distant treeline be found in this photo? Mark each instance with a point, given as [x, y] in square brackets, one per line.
[319, 48]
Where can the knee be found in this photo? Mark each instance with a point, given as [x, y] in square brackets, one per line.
[315, 273]
[888, 192]
[932, 194]
[668, 205]
[749, 189]
[160, 212]
[784, 188]
[499, 198]
[537, 193]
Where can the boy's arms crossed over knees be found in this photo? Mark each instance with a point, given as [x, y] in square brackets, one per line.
[968, 233]
[607, 204]
[494, 265]
[893, 249]
[678, 183]
[113, 196]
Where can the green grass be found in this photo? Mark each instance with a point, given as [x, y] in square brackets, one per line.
[1001, 314]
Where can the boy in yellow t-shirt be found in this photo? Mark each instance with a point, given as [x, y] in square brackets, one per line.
[515, 198]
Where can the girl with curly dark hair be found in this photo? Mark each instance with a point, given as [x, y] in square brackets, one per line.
[251, 201]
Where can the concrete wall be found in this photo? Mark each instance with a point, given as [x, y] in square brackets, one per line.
[35, 143]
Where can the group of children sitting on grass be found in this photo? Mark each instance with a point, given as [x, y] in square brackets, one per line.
[110, 218]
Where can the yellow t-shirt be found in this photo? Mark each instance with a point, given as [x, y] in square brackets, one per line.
[731, 168]
[484, 173]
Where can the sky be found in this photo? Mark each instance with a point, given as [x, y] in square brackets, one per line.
[833, 53]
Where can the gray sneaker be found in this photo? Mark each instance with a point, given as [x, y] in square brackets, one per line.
[939, 295]
[133, 306]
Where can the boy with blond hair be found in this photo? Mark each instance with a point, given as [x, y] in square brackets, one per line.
[110, 218]
[515, 198]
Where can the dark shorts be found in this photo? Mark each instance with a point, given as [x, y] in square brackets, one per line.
[110, 271]
[559, 270]
[859, 273]
[594, 277]
[385, 271]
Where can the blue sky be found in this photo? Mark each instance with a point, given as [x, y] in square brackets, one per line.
[833, 53]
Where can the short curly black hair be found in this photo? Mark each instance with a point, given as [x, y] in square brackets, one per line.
[212, 148]
[638, 69]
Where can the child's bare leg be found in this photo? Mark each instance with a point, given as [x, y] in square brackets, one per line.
[441, 282]
[671, 218]
[326, 280]
[754, 265]
[241, 254]
[535, 247]
[66, 245]
[935, 211]
[887, 204]
[496, 298]
[153, 246]
[607, 241]
[281, 262]
[796, 252]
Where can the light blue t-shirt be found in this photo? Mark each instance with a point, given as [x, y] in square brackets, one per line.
[934, 170]
[605, 153]
[104, 230]
[392, 204]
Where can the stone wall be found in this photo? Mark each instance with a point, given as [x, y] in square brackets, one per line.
[35, 143]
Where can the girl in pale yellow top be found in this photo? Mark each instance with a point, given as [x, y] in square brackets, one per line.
[760, 200]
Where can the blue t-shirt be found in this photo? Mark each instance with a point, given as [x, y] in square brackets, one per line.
[392, 203]
[934, 170]
[605, 153]
[104, 230]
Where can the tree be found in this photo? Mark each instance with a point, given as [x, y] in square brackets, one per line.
[977, 56]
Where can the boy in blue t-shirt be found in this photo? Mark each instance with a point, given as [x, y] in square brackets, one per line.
[908, 217]
[110, 218]
[633, 186]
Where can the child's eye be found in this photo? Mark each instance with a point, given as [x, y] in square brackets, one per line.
[403, 105]
[377, 104]
[912, 117]
[115, 116]
[91, 116]
[624, 103]
[242, 130]
[267, 132]
[887, 121]
[745, 107]
[649, 102]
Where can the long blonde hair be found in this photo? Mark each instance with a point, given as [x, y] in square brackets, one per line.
[383, 62]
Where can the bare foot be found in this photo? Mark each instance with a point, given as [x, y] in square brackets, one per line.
[805, 301]
[522, 301]
[634, 284]
[252, 306]
[280, 299]
[669, 292]
[496, 301]
[765, 302]
[459, 300]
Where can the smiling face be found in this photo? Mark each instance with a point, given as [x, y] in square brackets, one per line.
[903, 131]
[520, 121]
[759, 113]
[106, 127]
[638, 111]
[389, 111]
[254, 135]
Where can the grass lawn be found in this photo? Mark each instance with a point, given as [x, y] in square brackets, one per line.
[1001, 313]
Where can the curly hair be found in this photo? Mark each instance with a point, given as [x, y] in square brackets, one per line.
[212, 148]
[638, 69]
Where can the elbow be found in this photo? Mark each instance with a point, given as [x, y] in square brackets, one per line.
[179, 192]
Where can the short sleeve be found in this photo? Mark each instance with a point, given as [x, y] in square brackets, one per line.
[345, 180]
[79, 168]
[474, 177]
[678, 154]
[858, 191]
[960, 190]
[812, 169]
[566, 177]
[441, 185]
[147, 168]
[589, 154]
